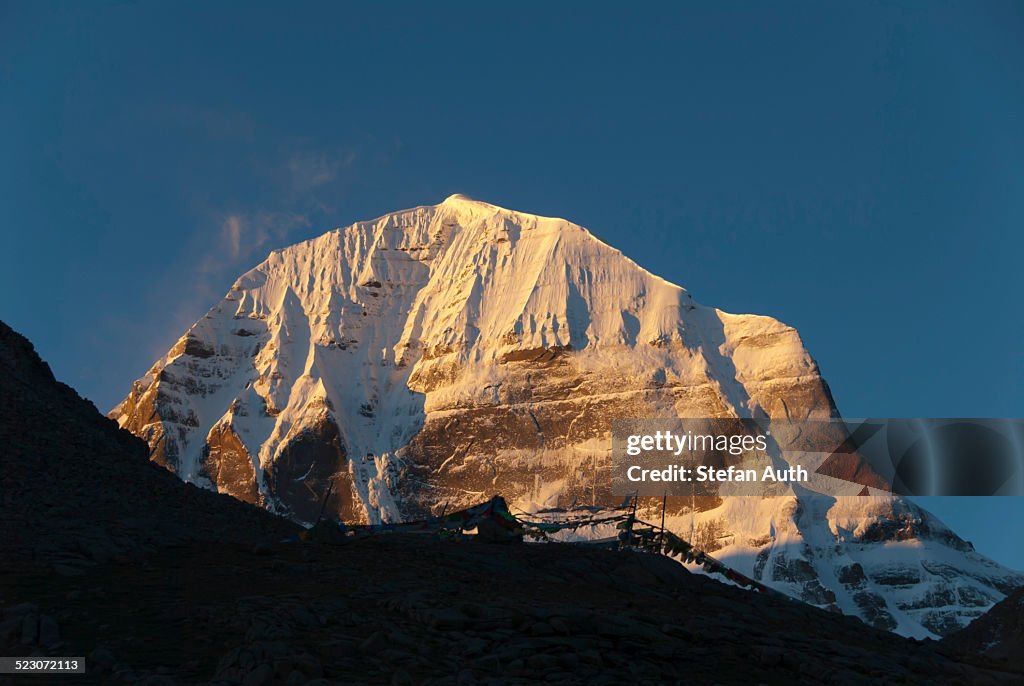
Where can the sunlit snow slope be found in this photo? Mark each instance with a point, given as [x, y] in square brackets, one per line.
[437, 355]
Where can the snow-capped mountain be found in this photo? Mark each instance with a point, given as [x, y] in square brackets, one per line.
[881, 558]
[438, 355]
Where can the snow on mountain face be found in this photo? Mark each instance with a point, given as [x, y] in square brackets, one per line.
[438, 355]
[881, 558]
[509, 337]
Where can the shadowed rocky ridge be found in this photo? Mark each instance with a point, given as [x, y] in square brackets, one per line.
[76, 490]
[107, 555]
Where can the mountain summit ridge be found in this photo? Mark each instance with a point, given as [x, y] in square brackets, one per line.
[434, 356]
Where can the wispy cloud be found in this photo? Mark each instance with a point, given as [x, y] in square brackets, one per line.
[232, 229]
[297, 175]
[232, 243]
[242, 235]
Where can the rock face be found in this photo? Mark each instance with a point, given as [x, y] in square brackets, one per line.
[438, 355]
[999, 634]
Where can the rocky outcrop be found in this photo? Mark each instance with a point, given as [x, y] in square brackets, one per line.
[301, 478]
[227, 464]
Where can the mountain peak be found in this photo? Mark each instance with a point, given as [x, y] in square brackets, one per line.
[457, 198]
[438, 355]
[459, 201]
[481, 209]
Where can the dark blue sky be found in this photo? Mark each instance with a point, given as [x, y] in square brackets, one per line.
[853, 169]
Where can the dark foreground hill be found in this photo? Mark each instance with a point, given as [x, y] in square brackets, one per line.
[999, 634]
[157, 582]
